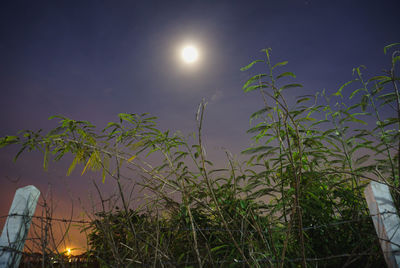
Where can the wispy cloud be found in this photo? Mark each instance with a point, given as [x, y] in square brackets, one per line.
[217, 95]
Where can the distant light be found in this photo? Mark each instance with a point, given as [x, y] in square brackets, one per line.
[190, 54]
[68, 251]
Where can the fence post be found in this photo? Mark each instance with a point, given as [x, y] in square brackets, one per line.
[386, 221]
[17, 225]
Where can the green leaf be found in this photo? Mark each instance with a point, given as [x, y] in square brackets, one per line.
[137, 145]
[218, 248]
[248, 66]
[355, 92]
[87, 165]
[358, 70]
[302, 100]
[389, 97]
[385, 49]
[376, 90]
[218, 170]
[64, 118]
[389, 121]
[266, 50]
[385, 81]
[339, 92]
[255, 78]
[7, 140]
[77, 159]
[283, 63]
[257, 149]
[45, 158]
[395, 59]
[364, 102]
[260, 112]
[257, 128]
[243, 204]
[379, 77]
[353, 119]
[270, 139]
[251, 88]
[286, 74]
[19, 153]
[290, 86]
[72, 166]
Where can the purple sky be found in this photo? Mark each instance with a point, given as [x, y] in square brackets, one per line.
[90, 60]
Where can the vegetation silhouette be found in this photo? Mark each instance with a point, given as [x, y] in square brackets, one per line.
[297, 200]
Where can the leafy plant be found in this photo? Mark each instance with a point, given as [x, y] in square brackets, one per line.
[297, 200]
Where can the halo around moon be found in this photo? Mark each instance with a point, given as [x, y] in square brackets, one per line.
[189, 54]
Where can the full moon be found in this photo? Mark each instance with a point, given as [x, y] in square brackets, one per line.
[190, 54]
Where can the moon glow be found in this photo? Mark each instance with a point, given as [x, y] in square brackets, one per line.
[190, 54]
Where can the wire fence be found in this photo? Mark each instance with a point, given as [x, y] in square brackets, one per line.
[35, 259]
[359, 219]
[84, 260]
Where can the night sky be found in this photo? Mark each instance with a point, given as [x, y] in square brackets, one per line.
[90, 60]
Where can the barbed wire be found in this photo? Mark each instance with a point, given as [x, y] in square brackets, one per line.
[48, 218]
[361, 218]
[256, 260]
[86, 258]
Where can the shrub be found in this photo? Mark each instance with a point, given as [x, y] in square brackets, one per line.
[298, 199]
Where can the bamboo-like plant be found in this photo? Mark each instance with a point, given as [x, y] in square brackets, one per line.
[298, 199]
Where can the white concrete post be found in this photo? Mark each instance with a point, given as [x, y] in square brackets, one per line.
[386, 221]
[17, 225]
